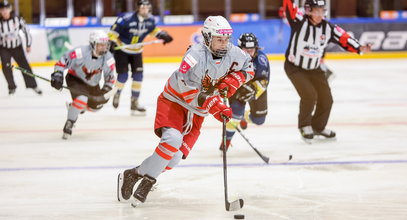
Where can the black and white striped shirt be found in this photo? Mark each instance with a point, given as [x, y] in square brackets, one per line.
[308, 41]
[10, 32]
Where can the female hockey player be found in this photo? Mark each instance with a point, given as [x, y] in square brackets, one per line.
[191, 92]
[132, 28]
[85, 66]
[254, 92]
[310, 34]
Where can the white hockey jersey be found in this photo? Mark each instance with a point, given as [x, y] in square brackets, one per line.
[200, 73]
[82, 65]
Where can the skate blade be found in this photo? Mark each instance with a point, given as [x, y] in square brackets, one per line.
[138, 113]
[119, 186]
[321, 138]
[65, 136]
[307, 140]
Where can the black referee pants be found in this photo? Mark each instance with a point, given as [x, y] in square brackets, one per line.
[18, 55]
[315, 93]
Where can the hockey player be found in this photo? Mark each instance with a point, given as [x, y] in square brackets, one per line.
[254, 92]
[11, 47]
[132, 28]
[191, 92]
[85, 66]
[310, 34]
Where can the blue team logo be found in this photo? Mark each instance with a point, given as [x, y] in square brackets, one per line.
[197, 37]
[263, 60]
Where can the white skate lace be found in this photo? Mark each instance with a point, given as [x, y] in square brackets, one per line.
[187, 127]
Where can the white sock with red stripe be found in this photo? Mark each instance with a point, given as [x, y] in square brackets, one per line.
[166, 151]
[78, 104]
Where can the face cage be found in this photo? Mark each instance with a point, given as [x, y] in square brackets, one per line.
[217, 53]
[93, 46]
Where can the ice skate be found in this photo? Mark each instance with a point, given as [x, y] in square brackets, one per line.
[37, 90]
[125, 184]
[116, 99]
[307, 134]
[67, 129]
[325, 134]
[143, 189]
[11, 91]
[136, 109]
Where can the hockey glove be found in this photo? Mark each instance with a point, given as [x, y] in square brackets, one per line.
[245, 93]
[232, 82]
[217, 108]
[260, 87]
[163, 35]
[105, 89]
[57, 79]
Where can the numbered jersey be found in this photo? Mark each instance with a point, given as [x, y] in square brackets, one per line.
[200, 72]
[308, 41]
[80, 63]
[131, 29]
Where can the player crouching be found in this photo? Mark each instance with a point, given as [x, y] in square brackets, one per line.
[85, 66]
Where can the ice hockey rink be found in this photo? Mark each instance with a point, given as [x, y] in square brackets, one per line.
[361, 175]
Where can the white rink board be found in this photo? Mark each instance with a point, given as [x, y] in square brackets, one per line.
[360, 176]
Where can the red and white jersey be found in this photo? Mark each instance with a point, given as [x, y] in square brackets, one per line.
[200, 72]
[80, 63]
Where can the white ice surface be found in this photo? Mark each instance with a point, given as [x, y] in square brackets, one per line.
[363, 175]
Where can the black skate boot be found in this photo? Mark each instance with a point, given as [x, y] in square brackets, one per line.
[116, 99]
[328, 134]
[136, 109]
[307, 134]
[11, 91]
[68, 129]
[144, 188]
[125, 184]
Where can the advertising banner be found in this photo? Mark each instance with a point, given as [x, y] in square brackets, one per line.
[56, 42]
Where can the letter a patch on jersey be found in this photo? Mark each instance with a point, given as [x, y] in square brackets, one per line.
[187, 63]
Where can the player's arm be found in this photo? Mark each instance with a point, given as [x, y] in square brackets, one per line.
[26, 31]
[347, 42]
[108, 72]
[115, 30]
[57, 77]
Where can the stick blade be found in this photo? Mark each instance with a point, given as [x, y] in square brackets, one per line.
[235, 205]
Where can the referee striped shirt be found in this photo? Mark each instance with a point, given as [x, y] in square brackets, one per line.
[308, 41]
[10, 32]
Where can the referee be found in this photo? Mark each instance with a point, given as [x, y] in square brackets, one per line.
[11, 47]
[310, 34]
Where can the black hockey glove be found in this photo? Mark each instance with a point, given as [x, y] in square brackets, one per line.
[163, 35]
[105, 89]
[57, 79]
[245, 93]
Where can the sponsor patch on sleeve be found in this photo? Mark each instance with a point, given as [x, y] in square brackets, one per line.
[188, 62]
[111, 63]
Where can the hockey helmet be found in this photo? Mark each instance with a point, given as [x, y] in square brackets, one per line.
[248, 40]
[216, 26]
[5, 4]
[99, 37]
[314, 3]
[143, 2]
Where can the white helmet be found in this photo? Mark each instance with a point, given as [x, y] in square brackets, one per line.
[99, 37]
[216, 26]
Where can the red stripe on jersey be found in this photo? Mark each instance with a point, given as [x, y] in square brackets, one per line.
[60, 64]
[72, 72]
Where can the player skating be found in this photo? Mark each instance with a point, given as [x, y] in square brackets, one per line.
[85, 65]
[310, 34]
[132, 28]
[191, 92]
[254, 92]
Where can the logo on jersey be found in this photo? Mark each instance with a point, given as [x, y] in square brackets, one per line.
[90, 74]
[188, 62]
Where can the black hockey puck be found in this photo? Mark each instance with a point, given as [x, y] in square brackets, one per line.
[290, 157]
[238, 216]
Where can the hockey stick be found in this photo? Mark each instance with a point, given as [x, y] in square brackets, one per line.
[264, 158]
[101, 98]
[137, 45]
[238, 203]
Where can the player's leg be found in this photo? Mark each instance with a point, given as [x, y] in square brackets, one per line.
[137, 76]
[308, 97]
[323, 107]
[7, 71]
[122, 69]
[20, 58]
[78, 105]
[258, 110]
